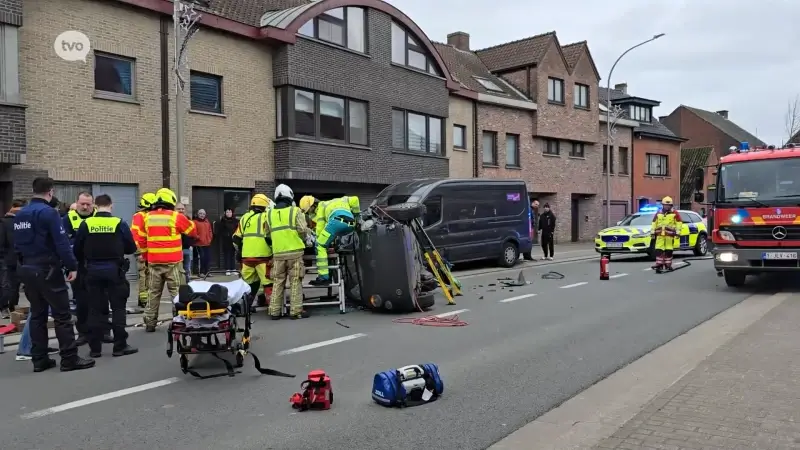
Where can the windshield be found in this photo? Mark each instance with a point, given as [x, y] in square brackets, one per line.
[392, 195]
[759, 181]
[638, 220]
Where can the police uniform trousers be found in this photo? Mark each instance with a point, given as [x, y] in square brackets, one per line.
[46, 289]
[287, 272]
[158, 275]
[105, 287]
[82, 303]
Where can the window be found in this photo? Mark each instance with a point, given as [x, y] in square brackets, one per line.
[9, 63]
[623, 160]
[555, 90]
[640, 113]
[552, 147]
[206, 92]
[578, 150]
[581, 96]
[657, 165]
[489, 84]
[279, 106]
[345, 27]
[417, 132]
[609, 154]
[326, 117]
[113, 76]
[512, 150]
[433, 211]
[459, 136]
[486, 203]
[489, 148]
[408, 52]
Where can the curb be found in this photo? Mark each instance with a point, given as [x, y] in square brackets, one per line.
[13, 339]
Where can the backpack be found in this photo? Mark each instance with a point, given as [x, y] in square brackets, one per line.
[407, 386]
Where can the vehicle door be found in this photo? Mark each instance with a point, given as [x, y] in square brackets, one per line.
[688, 232]
[460, 217]
[511, 219]
[694, 228]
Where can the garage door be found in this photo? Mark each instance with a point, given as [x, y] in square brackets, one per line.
[618, 212]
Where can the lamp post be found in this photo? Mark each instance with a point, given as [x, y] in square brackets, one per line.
[609, 125]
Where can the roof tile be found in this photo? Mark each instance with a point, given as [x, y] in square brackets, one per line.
[572, 53]
[249, 11]
[465, 66]
[726, 126]
[528, 51]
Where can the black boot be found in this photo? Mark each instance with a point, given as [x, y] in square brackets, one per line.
[96, 353]
[76, 363]
[125, 350]
[82, 340]
[150, 329]
[302, 315]
[43, 364]
[320, 281]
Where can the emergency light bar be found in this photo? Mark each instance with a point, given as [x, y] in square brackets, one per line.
[744, 147]
[649, 208]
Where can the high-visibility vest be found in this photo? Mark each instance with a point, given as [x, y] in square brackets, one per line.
[252, 227]
[76, 220]
[162, 234]
[137, 228]
[103, 242]
[666, 224]
[337, 204]
[282, 223]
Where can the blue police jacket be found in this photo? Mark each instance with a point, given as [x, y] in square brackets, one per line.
[123, 232]
[39, 237]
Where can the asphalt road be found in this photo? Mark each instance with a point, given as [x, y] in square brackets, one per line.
[520, 356]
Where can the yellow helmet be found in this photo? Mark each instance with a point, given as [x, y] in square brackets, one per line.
[260, 200]
[166, 196]
[147, 200]
[666, 200]
[307, 202]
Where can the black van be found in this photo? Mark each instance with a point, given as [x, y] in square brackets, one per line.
[470, 219]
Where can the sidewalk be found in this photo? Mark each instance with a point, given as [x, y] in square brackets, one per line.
[746, 395]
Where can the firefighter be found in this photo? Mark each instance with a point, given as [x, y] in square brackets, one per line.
[137, 223]
[286, 231]
[666, 231]
[160, 239]
[250, 240]
[333, 218]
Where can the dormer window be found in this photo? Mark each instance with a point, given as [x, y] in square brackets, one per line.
[407, 51]
[489, 84]
[344, 27]
[641, 113]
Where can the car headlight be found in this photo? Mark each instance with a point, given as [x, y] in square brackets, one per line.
[597, 237]
[727, 235]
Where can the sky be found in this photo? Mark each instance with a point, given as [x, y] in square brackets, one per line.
[735, 55]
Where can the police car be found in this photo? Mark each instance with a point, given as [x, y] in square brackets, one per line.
[632, 234]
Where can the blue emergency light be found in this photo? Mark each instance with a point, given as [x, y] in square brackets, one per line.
[744, 146]
[649, 208]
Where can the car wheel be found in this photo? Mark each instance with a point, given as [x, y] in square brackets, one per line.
[405, 212]
[701, 246]
[426, 300]
[510, 254]
[734, 278]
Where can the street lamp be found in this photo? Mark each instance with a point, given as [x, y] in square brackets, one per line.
[609, 126]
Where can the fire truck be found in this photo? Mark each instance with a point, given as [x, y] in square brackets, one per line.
[755, 215]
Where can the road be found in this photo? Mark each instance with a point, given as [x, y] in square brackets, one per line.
[525, 351]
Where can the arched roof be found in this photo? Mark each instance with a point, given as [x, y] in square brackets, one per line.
[283, 25]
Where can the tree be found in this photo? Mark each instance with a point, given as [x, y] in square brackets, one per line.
[792, 120]
[615, 114]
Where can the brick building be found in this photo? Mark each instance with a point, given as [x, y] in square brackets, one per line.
[278, 91]
[703, 128]
[13, 148]
[655, 150]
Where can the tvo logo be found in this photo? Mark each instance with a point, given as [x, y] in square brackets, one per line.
[72, 46]
[22, 226]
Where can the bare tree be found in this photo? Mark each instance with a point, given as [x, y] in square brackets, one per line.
[792, 119]
[616, 113]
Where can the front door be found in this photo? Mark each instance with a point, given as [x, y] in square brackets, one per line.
[576, 222]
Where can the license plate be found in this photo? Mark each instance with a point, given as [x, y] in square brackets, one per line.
[614, 245]
[779, 255]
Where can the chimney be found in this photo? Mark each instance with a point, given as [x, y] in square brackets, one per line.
[622, 87]
[459, 40]
[723, 113]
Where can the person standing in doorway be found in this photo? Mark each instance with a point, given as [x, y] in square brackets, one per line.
[225, 228]
[547, 225]
[205, 235]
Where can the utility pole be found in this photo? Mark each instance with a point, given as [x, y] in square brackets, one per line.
[609, 125]
[185, 24]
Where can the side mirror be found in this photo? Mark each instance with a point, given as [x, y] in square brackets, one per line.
[699, 178]
[619, 222]
[699, 197]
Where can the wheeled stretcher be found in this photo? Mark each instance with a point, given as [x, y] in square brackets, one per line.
[205, 322]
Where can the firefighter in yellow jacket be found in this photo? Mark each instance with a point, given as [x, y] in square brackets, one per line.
[250, 239]
[666, 231]
[333, 218]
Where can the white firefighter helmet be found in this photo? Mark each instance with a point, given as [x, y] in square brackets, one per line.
[284, 191]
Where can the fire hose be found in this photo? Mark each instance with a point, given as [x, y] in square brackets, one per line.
[688, 262]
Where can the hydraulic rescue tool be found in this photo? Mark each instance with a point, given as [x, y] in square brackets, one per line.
[317, 393]
[408, 386]
[604, 267]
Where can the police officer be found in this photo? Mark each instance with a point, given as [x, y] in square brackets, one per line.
[43, 247]
[101, 243]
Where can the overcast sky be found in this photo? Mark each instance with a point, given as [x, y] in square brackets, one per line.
[735, 55]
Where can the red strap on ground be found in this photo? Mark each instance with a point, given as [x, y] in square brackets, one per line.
[433, 321]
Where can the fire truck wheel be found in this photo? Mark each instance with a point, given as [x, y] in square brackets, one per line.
[735, 278]
[701, 247]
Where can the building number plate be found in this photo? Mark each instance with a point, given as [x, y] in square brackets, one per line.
[779, 255]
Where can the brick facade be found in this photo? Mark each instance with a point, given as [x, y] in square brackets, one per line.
[622, 145]
[11, 12]
[462, 160]
[698, 132]
[651, 187]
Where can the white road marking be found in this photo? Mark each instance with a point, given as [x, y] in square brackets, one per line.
[519, 297]
[619, 275]
[451, 313]
[574, 285]
[321, 344]
[645, 270]
[100, 398]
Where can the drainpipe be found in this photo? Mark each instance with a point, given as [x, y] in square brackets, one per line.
[475, 159]
[166, 172]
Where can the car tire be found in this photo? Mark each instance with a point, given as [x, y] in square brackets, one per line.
[735, 278]
[405, 212]
[510, 254]
[426, 300]
[701, 246]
